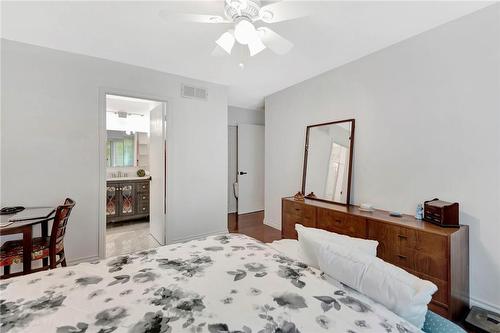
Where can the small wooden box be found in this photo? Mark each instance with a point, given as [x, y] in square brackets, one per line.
[442, 213]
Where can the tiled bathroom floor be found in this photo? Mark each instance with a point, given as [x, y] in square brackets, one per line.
[127, 237]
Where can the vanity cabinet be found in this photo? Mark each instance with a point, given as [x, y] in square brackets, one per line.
[127, 199]
[440, 255]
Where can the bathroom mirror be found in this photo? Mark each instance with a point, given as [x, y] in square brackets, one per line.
[120, 149]
[328, 161]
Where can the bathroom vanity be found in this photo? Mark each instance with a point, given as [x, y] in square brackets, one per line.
[127, 198]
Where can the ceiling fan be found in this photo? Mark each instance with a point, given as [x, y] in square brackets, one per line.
[242, 15]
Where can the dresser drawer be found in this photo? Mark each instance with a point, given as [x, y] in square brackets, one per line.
[289, 221]
[299, 209]
[387, 237]
[407, 258]
[434, 265]
[403, 257]
[410, 249]
[441, 294]
[341, 223]
[434, 244]
[440, 309]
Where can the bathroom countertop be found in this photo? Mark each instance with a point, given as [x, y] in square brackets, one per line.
[128, 178]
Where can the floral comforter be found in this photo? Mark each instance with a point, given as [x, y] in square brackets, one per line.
[228, 283]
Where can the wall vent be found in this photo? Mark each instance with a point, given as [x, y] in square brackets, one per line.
[194, 92]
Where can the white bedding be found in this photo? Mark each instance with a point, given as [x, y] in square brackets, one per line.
[230, 283]
[385, 288]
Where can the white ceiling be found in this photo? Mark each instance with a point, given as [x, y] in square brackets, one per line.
[132, 32]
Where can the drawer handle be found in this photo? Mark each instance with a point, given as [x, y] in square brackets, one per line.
[403, 236]
[401, 256]
[338, 221]
[143, 208]
[143, 197]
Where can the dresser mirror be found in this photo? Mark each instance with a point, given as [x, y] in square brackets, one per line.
[328, 161]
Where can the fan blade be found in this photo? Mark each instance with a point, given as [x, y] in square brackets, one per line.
[226, 41]
[255, 46]
[196, 18]
[274, 41]
[283, 11]
[219, 52]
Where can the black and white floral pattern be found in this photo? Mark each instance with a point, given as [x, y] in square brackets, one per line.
[221, 284]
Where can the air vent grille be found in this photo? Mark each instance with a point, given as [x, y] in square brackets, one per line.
[194, 92]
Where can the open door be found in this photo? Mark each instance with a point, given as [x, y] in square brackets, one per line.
[158, 167]
[250, 168]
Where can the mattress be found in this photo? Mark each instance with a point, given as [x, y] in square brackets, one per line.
[225, 283]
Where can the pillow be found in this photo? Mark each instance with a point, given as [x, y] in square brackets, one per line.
[399, 291]
[311, 238]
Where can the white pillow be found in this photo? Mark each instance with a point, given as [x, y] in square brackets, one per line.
[311, 238]
[399, 291]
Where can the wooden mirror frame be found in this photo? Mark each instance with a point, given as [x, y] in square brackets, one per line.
[349, 176]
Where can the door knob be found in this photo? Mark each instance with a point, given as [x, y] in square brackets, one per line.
[243, 173]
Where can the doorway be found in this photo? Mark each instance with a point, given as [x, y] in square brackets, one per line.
[134, 155]
[246, 168]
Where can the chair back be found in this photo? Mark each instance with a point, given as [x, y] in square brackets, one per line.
[60, 222]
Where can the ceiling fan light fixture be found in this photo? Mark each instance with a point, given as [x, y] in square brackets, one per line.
[266, 16]
[226, 41]
[255, 46]
[237, 4]
[245, 32]
[215, 19]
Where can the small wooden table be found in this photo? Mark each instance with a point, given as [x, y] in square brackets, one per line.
[26, 228]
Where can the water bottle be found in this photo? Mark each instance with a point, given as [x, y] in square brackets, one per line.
[419, 215]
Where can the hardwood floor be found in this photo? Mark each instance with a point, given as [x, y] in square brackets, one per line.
[252, 224]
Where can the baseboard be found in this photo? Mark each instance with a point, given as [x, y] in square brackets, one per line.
[187, 239]
[250, 213]
[270, 223]
[484, 305]
[80, 260]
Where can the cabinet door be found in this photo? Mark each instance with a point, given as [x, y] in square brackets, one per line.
[112, 203]
[127, 199]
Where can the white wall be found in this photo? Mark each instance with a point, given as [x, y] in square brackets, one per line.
[238, 115]
[427, 116]
[50, 140]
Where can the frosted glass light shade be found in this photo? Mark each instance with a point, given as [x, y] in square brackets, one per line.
[245, 32]
[256, 46]
[226, 41]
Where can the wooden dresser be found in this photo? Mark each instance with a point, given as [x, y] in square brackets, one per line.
[437, 254]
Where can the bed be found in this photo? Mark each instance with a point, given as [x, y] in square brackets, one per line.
[225, 283]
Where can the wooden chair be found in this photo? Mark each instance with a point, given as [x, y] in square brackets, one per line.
[44, 248]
